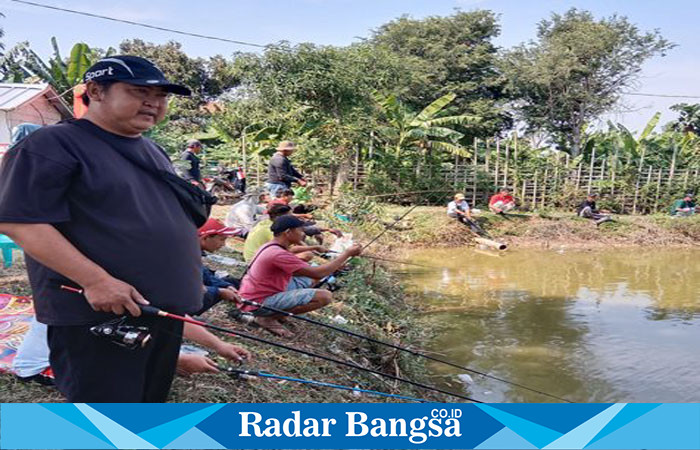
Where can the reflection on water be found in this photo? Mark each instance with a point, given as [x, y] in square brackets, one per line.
[618, 325]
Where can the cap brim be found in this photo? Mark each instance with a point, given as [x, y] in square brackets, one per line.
[167, 86]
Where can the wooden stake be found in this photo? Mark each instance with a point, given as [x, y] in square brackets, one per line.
[488, 154]
[578, 176]
[658, 191]
[590, 171]
[544, 185]
[505, 169]
[534, 192]
[498, 153]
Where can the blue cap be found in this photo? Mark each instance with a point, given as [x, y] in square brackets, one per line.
[132, 70]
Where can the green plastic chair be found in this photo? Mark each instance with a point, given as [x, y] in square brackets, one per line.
[7, 245]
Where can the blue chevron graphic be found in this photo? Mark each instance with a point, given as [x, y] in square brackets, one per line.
[506, 439]
[120, 436]
[630, 412]
[194, 438]
[18, 429]
[582, 435]
[69, 412]
[534, 433]
[163, 434]
[669, 426]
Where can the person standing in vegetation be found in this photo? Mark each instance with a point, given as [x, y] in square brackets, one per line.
[277, 278]
[280, 171]
[589, 210]
[502, 202]
[87, 216]
[684, 207]
[194, 174]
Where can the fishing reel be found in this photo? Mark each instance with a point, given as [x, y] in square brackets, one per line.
[239, 374]
[118, 332]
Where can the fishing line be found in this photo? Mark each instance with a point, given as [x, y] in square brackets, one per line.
[397, 347]
[249, 373]
[151, 310]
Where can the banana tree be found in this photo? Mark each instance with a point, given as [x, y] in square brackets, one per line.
[427, 129]
[22, 64]
[637, 148]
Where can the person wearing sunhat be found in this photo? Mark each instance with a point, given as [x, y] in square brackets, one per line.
[88, 216]
[279, 279]
[458, 208]
[193, 148]
[280, 171]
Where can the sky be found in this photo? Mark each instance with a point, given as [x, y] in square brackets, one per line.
[341, 22]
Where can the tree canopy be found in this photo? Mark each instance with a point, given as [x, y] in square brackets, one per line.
[576, 70]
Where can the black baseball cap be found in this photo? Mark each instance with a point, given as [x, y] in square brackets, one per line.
[132, 70]
[284, 223]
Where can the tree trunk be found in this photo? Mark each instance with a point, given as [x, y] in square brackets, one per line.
[575, 142]
[344, 169]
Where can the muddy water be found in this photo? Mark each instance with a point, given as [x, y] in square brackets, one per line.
[617, 325]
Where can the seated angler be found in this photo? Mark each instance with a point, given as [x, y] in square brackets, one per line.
[502, 202]
[589, 210]
[261, 235]
[245, 214]
[286, 197]
[212, 237]
[277, 278]
[459, 209]
[684, 207]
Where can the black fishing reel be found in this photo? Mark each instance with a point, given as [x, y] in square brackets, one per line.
[118, 332]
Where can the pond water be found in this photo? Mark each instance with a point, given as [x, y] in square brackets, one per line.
[595, 326]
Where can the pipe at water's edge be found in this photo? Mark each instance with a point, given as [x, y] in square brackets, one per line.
[492, 244]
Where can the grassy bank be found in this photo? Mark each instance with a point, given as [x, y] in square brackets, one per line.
[371, 301]
[430, 226]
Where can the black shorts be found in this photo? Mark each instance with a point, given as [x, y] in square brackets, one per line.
[90, 369]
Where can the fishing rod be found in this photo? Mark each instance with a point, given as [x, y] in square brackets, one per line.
[386, 259]
[248, 374]
[153, 311]
[390, 226]
[398, 347]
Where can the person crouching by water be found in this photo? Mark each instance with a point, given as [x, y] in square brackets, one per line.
[459, 209]
[684, 207]
[588, 210]
[501, 202]
[277, 277]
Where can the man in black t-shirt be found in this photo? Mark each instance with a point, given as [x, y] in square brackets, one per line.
[190, 155]
[280, 171]
[88, 217]
[589, 210]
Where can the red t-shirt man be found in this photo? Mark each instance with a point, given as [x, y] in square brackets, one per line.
[277, 280]
[501, 202]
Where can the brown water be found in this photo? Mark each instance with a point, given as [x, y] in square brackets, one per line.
[615, 325]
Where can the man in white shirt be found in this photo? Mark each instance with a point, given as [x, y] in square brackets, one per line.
[459, 209]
